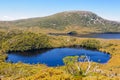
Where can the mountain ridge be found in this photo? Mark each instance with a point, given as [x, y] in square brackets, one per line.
[65, 19]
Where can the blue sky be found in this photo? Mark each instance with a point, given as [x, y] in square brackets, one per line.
[17, 9]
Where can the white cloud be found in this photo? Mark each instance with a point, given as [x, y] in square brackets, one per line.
[6, 18]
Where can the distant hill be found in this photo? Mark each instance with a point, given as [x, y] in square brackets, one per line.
[62, 20]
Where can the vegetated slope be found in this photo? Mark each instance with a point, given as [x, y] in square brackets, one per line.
[65, 19]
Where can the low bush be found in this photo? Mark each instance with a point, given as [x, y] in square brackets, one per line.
[26, 41]
[91, 44]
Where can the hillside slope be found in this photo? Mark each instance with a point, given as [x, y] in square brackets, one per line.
[62, 20]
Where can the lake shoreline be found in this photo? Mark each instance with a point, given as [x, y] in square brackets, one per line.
[105, 35]
[54, 57]
[45, 49]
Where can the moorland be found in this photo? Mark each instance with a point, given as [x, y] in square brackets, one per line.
[32, 34]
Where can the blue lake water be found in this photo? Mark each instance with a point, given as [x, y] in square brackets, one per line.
[93, 35]
[54, 57]
[104, 36]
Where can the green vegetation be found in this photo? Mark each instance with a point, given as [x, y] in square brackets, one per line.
[22, 41]
[73, 70]
[91, 44]
[76, 68]
[26, 41]
[21, 71]
[70, 63]
[22, 35]
[16, 71]
[63, 20]
[2, 57]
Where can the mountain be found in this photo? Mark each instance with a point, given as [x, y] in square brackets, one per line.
[62, 20]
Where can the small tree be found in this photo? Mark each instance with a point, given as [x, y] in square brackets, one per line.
[69, 62]
[74, 67]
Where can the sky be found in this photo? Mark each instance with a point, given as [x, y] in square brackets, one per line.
[20, 9]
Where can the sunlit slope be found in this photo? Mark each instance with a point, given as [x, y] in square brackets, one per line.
[63, 20]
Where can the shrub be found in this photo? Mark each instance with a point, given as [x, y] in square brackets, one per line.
[26, 41]
[91, 44]
[74, 67]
